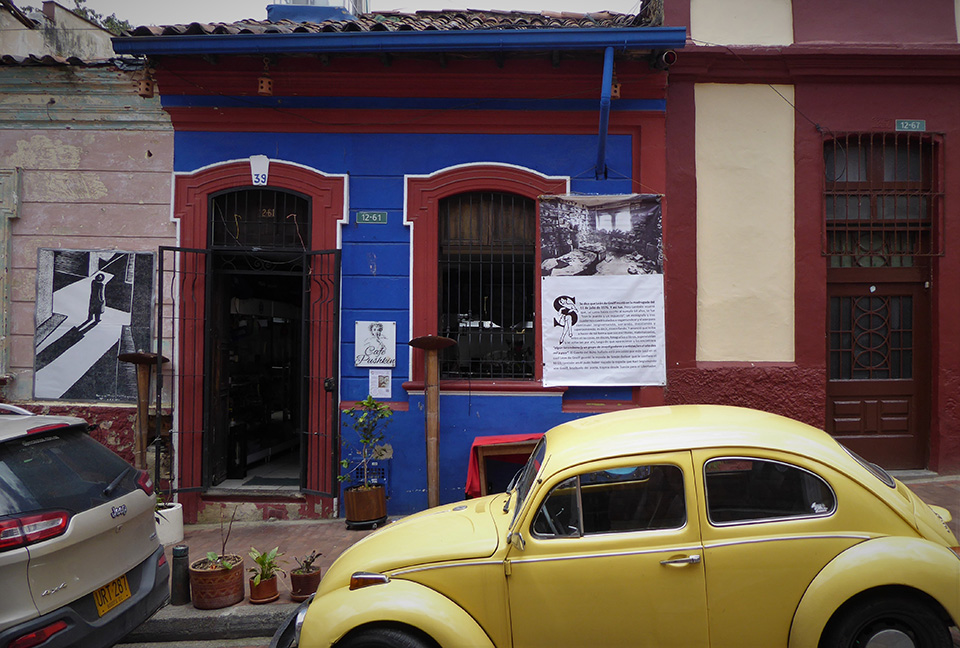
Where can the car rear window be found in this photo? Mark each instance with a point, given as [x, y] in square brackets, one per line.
[66, 470]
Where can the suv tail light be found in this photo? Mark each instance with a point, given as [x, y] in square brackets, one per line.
[145, 483]
[37, 637]
[23, 530]
[47, 428]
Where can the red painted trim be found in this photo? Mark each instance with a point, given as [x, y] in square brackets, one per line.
[868, 22]
[503, 386]
[307, 120]
[192, 192]
[423, 197]
[854, 64]
[396, 406]
[424, 77]
[680, 229]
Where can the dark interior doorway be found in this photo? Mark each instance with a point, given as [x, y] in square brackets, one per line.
[258, 333]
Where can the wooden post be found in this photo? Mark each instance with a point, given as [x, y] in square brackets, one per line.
[431, 345]
[145, 363]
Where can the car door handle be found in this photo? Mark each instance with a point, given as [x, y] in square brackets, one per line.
[681, 562]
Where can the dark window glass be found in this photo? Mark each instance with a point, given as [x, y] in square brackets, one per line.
[63, 470]
[486, 291]
[633, 498]
[881, 199]
[756, 490]
[260, 218]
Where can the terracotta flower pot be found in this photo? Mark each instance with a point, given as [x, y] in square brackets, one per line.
[365, 507]
[265, 591]
[302, 585]
[214, 587]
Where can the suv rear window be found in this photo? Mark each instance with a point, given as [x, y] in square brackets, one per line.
[65, 469]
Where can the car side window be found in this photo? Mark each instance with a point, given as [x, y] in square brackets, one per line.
[742, 489]
[634, 498]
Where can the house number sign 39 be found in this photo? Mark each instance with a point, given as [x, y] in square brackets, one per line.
[259, 170]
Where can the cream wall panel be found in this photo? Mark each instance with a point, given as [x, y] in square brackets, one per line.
[741, 22]
[745, 223]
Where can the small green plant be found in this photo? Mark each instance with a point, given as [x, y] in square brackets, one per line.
[268, 564]
[305, 563]
[368, 418]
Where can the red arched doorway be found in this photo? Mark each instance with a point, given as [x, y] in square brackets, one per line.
[249, 313]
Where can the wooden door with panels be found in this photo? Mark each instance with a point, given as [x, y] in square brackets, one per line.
[881, 228]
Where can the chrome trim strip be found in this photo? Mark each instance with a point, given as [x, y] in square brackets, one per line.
[473, 563]
[609, 554]
[812, 536]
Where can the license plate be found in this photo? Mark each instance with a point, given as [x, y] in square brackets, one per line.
[111, 595]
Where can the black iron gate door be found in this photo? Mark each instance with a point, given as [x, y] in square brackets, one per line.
[181, 326]
[319, 450]
[186, 303]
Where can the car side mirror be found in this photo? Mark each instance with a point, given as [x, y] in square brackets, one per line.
[516, 539]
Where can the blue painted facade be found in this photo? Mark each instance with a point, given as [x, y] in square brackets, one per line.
[376, 269]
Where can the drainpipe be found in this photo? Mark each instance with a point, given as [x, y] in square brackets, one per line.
[605, 90]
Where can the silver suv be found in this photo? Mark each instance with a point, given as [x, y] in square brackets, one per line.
[80, 564]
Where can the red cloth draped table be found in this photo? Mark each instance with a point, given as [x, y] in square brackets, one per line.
[507, 447]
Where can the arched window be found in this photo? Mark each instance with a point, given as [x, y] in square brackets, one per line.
[486, 284]
[259, 218]
[475, 252]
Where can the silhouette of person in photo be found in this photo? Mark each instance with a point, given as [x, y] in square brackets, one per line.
[97, 301]
[566, 307]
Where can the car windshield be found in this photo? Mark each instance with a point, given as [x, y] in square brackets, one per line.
[524, 483]
[62, 470]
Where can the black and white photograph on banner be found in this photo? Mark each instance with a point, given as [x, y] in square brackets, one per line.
[602, 290]
[92, 305]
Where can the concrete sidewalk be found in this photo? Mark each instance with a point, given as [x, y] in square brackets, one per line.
[294, 538]
[331, 537]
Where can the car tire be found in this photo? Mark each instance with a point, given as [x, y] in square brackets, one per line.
[893, 618]
[383, 638]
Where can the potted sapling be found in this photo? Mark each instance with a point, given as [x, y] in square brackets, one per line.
[365, 502]
[305, 577]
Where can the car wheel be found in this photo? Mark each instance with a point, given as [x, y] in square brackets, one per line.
[887, 623]
[382, 638]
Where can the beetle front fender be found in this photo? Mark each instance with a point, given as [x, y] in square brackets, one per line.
[336, 613]
[909, 562]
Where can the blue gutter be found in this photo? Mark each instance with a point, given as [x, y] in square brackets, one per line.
[618, 38]
[605, 93]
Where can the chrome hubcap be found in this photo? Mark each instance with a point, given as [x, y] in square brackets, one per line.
[890, 639]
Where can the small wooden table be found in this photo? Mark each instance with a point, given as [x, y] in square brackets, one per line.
[514, 447]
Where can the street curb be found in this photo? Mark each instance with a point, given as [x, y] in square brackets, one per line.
[185, 622]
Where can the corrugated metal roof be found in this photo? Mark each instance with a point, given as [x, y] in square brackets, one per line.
[421, 21]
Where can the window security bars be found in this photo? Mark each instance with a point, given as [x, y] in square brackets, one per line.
[259, 218]
[882, 199]
[486, 289]
[871, 338]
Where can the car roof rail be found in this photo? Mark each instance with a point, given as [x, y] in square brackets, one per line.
[7, 408]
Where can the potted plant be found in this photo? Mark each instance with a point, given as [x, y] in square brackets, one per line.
[263, 584]
[365, 503]
[169, 519]
[216, 581]
[305, 578]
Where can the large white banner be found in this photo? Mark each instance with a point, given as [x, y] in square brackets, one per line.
[601, 291]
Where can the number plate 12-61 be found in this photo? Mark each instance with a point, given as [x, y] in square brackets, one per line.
[111, 595]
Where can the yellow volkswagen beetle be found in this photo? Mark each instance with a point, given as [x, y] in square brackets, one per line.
[677, 526]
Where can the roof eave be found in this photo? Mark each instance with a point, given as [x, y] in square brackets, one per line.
[620, 38]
